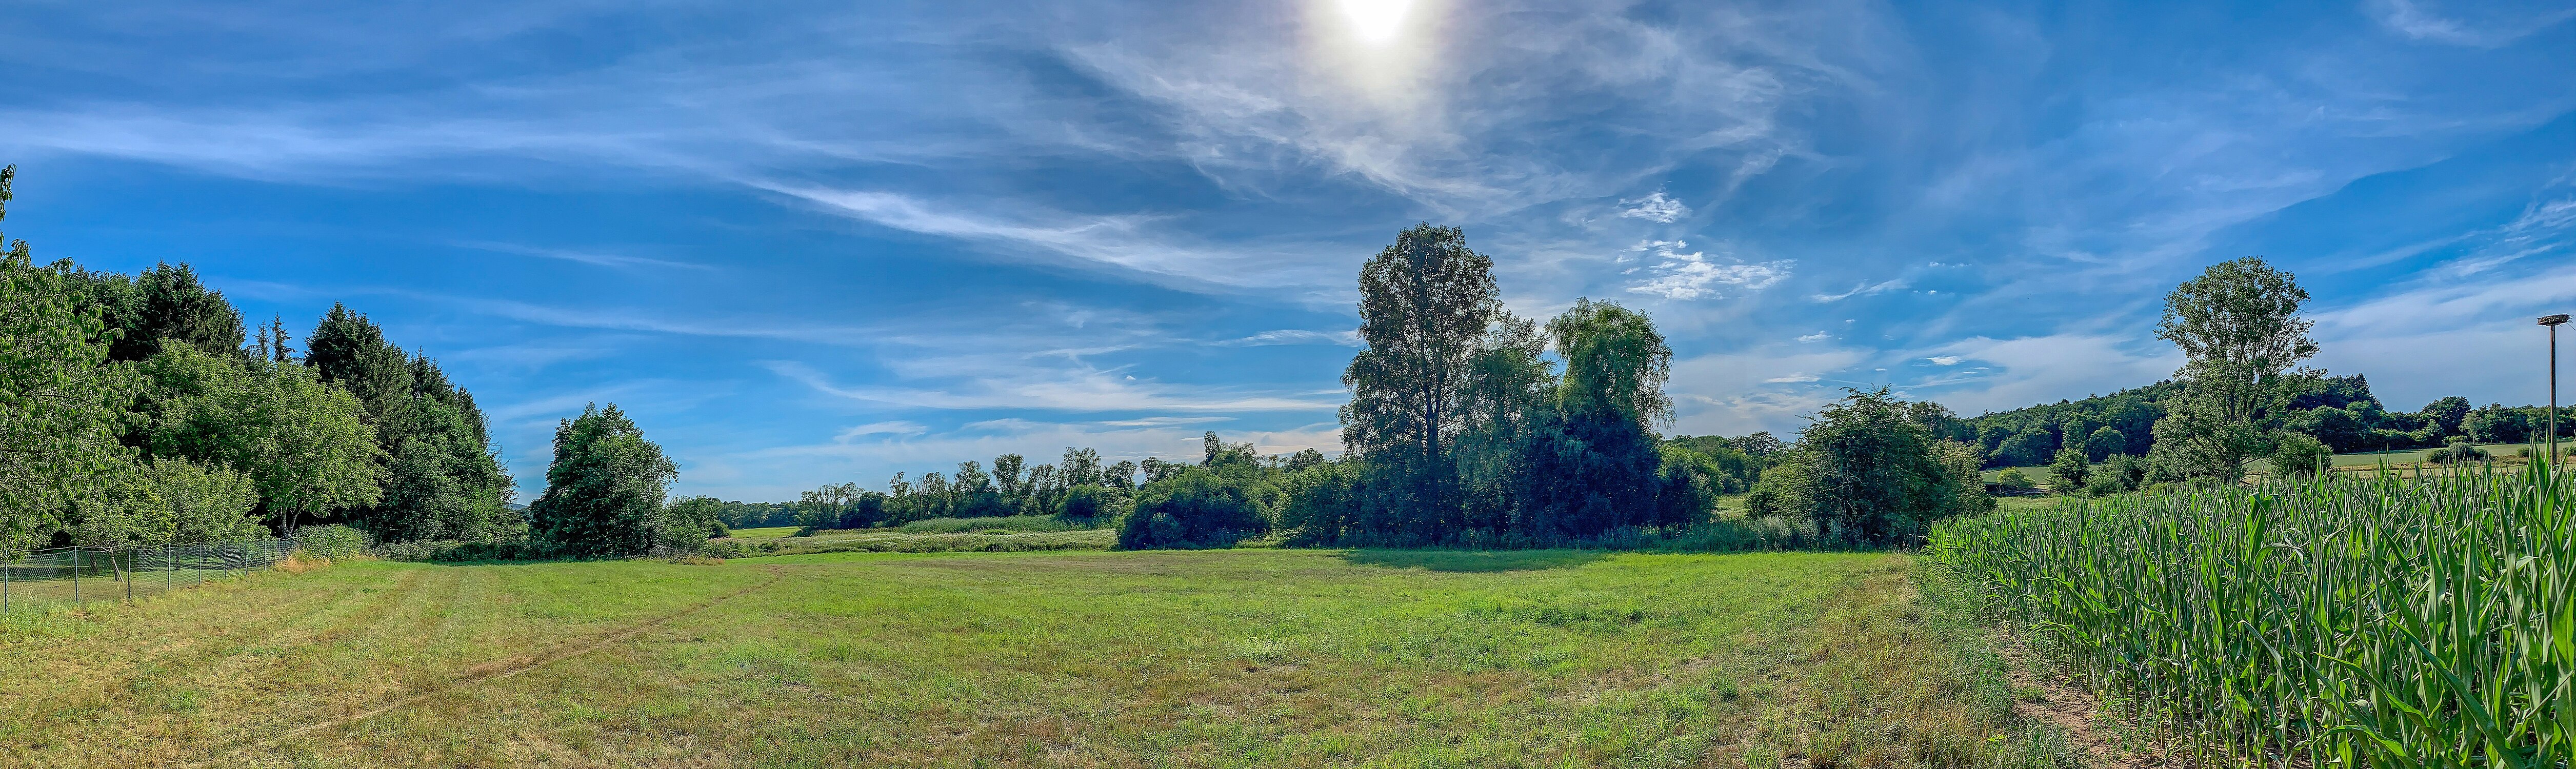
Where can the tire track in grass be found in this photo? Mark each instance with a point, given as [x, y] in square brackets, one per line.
[500, 669]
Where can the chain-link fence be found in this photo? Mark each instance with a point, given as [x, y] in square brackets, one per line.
[75, 574]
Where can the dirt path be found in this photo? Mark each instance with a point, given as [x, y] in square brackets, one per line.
[2070, 708]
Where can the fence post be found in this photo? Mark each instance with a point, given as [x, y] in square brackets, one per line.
[4, 580]
[75, 574]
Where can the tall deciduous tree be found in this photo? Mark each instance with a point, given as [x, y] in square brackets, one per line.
[604, 490]
[1425, 303]
[304, 442]
[61, 404]
[2240, 332]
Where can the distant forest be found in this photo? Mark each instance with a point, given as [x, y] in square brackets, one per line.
[2338, 411]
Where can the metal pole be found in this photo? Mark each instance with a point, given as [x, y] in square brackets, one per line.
[2553, 321]
[125, 571]
[75, 574]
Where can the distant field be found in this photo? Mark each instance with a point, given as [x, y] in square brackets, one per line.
[768, 532]
[1224, 658]
[2042, 476]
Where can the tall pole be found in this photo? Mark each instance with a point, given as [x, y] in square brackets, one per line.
[2553, 321]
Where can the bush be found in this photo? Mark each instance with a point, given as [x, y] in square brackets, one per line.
[2298, 455]
[458, 552]
[333, 542]
[2458, 452]
[1084, 504]
[2012, 478]
[1200, 507]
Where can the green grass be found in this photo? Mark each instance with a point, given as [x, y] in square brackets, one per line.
[1221, 658]
[766, 532]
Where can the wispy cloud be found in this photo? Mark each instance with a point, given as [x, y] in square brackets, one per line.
[2421, 21]
[1069, 388]
[1864, 289]
[1295, 336]
[584, 257]
[1118, 241]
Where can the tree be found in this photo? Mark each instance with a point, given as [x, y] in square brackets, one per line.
[2297, 455]
[1761, 445]
[206, 504]
[304, 442]
[176, 308]
[1425, 303]
[1084, 504]
[2104, 442]
[694, 518]
[1007, 472]
[2069, 467]
[61, 404]
[2240, 332]
[1592, 463]
[2446, 414]
[2026, 448]
[1871, 474]
[605, 488]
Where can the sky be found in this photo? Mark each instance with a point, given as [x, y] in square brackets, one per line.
[806, 243]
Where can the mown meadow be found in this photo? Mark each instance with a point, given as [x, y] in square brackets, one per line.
[1219, 658]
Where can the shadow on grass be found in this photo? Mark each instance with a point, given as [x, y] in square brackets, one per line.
[1474, 560]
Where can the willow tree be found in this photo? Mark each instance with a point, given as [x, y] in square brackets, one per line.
[1592, 462]
[1425, 304]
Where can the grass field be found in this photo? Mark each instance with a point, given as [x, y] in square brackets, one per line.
[1223, 658]
[765, 532]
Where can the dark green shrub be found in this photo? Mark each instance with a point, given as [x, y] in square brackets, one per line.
[1200, 507]
[2299, 455]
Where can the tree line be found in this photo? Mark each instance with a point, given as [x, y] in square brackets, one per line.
[136, 410]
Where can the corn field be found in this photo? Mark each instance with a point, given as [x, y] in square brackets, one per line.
[2347, 621]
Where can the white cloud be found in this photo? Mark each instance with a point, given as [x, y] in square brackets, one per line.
[1945, 360]
[1657, 207]
[1865, 288]
[1815, 337]
[1680, 276]
[1795, 378]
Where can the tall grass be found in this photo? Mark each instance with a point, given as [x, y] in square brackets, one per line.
[2353, 621]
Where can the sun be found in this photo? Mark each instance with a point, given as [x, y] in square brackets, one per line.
[1376, 21]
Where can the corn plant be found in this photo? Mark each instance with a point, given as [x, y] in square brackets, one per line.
[2359, 621]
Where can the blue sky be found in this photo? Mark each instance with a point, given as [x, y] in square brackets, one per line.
[819, 242]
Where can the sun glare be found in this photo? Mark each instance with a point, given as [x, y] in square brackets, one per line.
[1376, 21]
